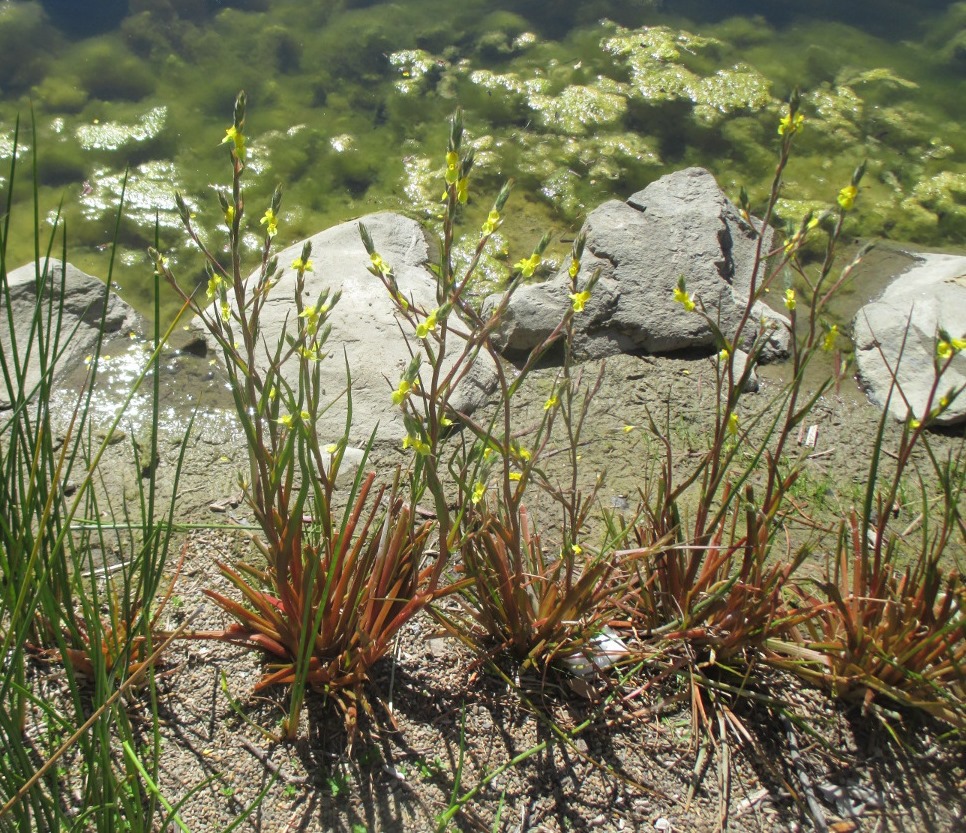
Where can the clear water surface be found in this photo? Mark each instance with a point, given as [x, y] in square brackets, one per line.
[578, 100]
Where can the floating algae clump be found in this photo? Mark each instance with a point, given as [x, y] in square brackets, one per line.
[577, 110]
[656, 60]
[112, 135]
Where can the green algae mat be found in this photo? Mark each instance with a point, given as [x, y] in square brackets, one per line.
[577, 101]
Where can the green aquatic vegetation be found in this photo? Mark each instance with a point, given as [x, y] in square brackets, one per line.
[578, 108]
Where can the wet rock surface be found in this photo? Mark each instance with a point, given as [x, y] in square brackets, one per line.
[897, 335]
[83, 297]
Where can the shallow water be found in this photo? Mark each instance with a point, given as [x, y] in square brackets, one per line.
[578, 101]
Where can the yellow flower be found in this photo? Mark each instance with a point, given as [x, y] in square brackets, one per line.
[574, 268]
[379, 264]
[270, 221]
[214, 284]
[684, 299]
[847, 197]
[452, 167]
[492, 222]
[576, 549]
[312, 314]
[552, 402]
[288, 420]
[943, 402]
[237, 138]
[424, 328]
[628, 428]
[463, 190]
[790, 299]
[914, 424]
[300, 265]
[733, 425]
[528, 265]
[401, 392]
[515, 476]
[828, 342]
[723, 354]
[416, 444]
[225, 311]
[790, 124]
[230, 215]
[522, 453]
[311, 353]
[478, 491]
[579, 299]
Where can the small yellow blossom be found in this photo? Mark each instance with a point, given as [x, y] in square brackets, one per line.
[300, 265]
[578, 299]
[682, 297]
[478, 491]
[914, 424]
[723, 354]
[312, 354]
[452, 167]
[463, 190]
[330, 448]
[379, 264]
[790, 301]
[288, 420]
[401, 392]
[418, 445]
[790, 125]
[847, 196]
[312, 315]
[522, 453]
[733, 425]
[552, 402]
[515, 476]
[424, 328]
[948, 349]
[528, 265]
[225, 311]
[214, 284]
[236, 137]
[574, 268]
[828, 342]
[628, 428]
[270, 221]
[230, 215]
[576, 549]
[446, 422]
[492, 222]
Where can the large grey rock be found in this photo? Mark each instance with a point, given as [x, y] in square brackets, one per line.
[682, 224]
[898, 332]
[84, 298]
[378, 344]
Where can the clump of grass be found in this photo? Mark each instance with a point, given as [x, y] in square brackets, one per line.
[57, 599]
[334, 589]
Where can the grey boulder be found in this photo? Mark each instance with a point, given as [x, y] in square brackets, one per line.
[897, 334]
[83, 315]
[680, 225]
[377, 343]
